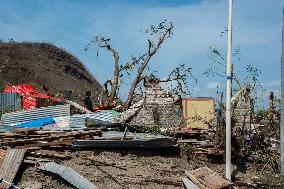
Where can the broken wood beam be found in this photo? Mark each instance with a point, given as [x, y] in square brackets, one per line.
[58, 136]
[205, 178]
[195, 180]
[188, 183]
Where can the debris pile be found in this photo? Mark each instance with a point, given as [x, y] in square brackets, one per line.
[46, 139]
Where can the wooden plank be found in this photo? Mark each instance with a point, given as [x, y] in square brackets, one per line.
[52, 137]
[205, 178]
[195, 180]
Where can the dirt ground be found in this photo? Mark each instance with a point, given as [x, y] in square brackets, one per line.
[116, 169]
[113, 169]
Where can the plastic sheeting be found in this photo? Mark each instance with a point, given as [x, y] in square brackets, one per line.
[10, 119]
[37, 123]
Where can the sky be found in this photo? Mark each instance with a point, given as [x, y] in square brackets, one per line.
[71, 24]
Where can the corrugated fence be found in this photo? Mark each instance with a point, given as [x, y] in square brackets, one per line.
[36, 113]
[10, 102]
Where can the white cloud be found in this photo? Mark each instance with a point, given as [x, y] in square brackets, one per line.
[257, 29]
[273, 83]
[213, 85]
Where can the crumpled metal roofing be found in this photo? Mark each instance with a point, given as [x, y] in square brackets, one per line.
[68, 174]
[78, 120]
[11, 163]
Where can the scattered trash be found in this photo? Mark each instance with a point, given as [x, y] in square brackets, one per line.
[36, 132]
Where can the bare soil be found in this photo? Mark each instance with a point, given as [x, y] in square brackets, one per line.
[157, 169]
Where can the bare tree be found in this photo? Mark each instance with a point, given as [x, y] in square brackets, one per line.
[104, 42]
[162, 31]
[157, 35]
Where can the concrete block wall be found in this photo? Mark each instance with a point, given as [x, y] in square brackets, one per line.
[159, 108]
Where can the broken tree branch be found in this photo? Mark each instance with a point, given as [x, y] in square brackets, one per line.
[164, 31]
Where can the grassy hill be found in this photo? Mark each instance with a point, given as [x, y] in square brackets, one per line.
[44, 64]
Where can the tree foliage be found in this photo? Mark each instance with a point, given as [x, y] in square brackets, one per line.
[249, 76]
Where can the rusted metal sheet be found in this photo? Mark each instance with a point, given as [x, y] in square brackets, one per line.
[10, 102]
[198, 112]
[11, 163]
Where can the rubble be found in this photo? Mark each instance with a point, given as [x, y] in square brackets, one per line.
[37, 137]
[51, 134]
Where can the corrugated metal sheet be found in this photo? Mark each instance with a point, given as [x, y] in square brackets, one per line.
[103, 116]
[198, 111]
[37, 113]
[125, 144]
[10, 102]
[136, 140]
[78, 121]
[68, 174]
[11, 163]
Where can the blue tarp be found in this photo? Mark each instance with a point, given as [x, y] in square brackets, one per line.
[37, 123]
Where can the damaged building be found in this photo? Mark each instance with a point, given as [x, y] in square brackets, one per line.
[160, 107]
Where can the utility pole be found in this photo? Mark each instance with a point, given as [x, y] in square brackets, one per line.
[282, 105]
[229, 95]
